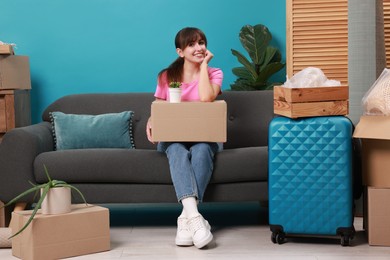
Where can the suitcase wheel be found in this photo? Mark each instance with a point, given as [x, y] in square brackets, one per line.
[345, 240]
[277, 237]
[346, 235]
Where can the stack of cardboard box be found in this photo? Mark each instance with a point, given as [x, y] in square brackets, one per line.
[374, 132]
[15, 85]
[85, 230]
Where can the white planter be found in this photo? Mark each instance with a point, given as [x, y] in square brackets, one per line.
[175, 95]
[57, 201]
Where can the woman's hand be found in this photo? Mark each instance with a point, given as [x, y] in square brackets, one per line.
[207, 57]
[207, 91]
[149, 130]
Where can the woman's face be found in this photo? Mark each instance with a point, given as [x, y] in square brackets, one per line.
[194, 52]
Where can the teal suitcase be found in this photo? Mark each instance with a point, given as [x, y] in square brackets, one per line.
[310, 178]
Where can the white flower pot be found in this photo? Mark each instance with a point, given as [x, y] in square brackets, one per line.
[57, 201]
[175, 95]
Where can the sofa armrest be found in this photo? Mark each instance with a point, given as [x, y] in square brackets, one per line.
[18, 150]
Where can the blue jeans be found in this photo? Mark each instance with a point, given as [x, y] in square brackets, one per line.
[191, 166]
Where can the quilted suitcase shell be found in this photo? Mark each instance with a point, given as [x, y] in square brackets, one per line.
[310, 177]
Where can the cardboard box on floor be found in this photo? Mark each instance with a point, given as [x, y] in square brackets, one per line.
[374, 132]
[14, 72]
[189, 121]
[378, 216]
[85, 230]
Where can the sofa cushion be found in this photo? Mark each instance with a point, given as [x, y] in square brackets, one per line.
[109, 165]
[241, 165]
[112, 130]
[144, 166]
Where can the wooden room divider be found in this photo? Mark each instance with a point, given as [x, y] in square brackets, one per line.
[317, 36]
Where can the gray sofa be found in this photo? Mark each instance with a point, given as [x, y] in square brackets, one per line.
[139, 175]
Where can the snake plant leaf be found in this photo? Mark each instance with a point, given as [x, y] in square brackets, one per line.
[47, 173]
[255, 40]
[64, 184]
[247, 64]
[45, 190]
[25, 193]
[56, 183]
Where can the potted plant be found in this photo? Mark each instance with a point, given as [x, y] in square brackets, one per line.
[46, 190]
[174, 92]
[266, 60]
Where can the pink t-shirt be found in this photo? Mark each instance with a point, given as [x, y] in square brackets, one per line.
[190, 90]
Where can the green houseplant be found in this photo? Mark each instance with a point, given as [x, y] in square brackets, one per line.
[174, 92]
[174, 84]
[265, 59]
[44, 189]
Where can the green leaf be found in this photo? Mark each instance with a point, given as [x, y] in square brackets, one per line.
[56, 183]
[33, 189]
[255, 40]
[247, 64]
[242, 84]
[242, 72]
[268, 56]
[46, 188]
[47, 173]
[75, 189]
[269, 70]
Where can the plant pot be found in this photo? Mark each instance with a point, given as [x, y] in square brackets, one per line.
[175, 95]
[57, 201]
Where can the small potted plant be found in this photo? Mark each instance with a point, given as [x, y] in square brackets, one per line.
[48, 191]
[174, 92]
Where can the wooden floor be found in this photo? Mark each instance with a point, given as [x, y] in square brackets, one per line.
[240, 232]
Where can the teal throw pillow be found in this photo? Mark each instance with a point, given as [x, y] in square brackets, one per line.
[113, 130]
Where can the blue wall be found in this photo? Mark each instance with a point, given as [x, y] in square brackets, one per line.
[85, 46]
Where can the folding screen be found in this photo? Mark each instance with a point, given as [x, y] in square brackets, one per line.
[317, 36]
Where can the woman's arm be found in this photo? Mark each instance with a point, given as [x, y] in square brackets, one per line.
[208, 92]
[149, 128]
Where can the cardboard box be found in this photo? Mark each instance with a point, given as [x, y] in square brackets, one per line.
[189, 121]
[378, 224]
[14, 72]
[6, 49]
[308, 102]
[85, 230]
[374, 132]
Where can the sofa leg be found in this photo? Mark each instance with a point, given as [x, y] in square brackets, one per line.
[5, 212]
[20, 206]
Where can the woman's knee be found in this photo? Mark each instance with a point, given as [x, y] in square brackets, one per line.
[202, 148]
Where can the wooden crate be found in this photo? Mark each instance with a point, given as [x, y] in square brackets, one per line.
[309, 102]
[14, 109]
[6, 49]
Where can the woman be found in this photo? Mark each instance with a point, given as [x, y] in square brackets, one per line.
[191, 164]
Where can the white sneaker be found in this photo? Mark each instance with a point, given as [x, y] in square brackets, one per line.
[183, 235]
[199, 229]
